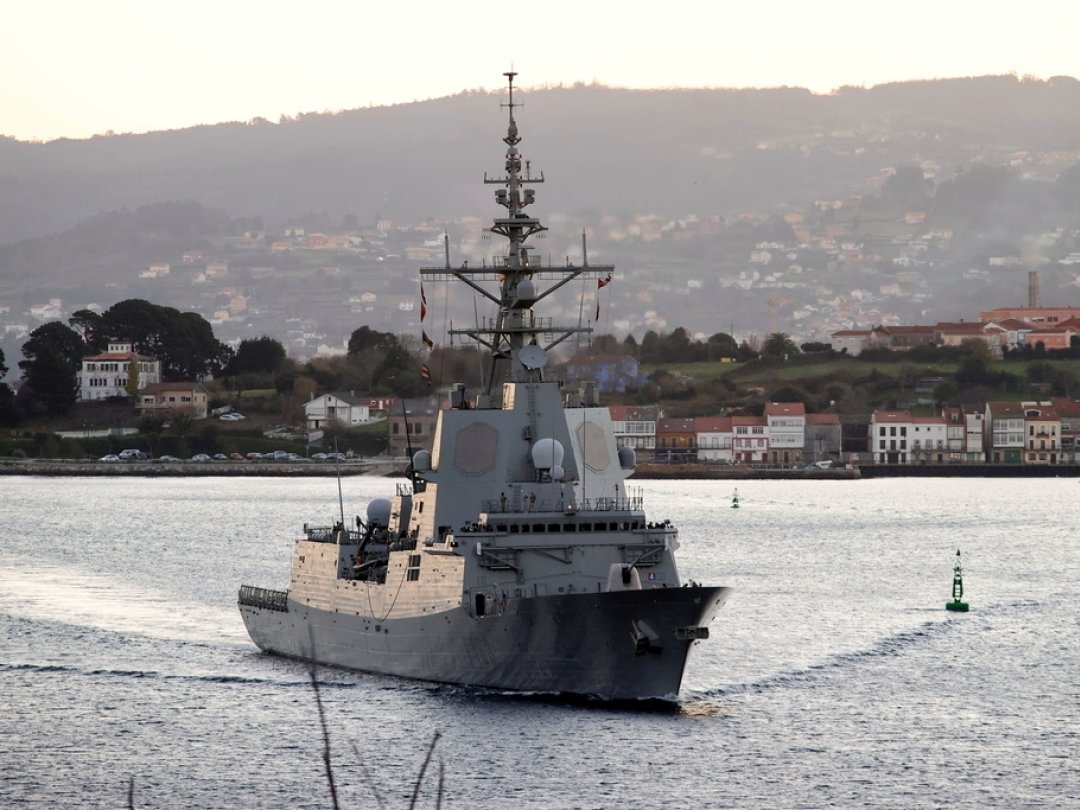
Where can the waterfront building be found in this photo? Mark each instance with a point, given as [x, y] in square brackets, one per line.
[750, 439]
[676, 441]
[635, 426]
[714, 439]
[1042, 433]
[786, 422]
[1004, 436]
[823, 433]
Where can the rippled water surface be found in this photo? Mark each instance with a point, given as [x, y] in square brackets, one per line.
[834, 676]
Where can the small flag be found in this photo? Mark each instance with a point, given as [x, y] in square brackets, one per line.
[423, 303]
[597, 318]
[426, 340]
[603, 282]
[425, 372]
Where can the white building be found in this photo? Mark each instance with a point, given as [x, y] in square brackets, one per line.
[345, 408]
[634, 426]
[715, 438]
[787, 431]
[897, 437]
[106, 375]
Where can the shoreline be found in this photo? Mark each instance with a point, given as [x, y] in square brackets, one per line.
[387, 468]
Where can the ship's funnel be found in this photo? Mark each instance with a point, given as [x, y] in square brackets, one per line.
[547, 454]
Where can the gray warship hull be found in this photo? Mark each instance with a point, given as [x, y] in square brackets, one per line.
[626, 645]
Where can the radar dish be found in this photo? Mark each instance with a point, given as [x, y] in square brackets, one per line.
[532, 357]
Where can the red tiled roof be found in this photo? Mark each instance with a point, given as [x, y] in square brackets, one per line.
[785, 409]
[712, 424]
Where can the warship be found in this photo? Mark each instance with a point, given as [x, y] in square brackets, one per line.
[514, 557]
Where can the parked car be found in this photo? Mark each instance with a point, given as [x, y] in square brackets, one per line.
[220, 457]
[132, 455]
[232, 416]
[319, 457]
[235, 457]
[277, 455]
[254, 456]
[200, 457]
[167, 458]
[110, 457]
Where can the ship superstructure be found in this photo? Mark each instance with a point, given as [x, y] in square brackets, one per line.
[514, 558]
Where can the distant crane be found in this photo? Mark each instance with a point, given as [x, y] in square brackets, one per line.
[774, 305]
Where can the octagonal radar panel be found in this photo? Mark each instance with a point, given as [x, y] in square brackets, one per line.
[532, 357]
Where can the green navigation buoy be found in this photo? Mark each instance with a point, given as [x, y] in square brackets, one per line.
[735, 500]
[957, 588]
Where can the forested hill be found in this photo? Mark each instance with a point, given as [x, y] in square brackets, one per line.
[669, 152]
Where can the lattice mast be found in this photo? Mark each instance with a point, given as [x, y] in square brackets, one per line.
[516, 324]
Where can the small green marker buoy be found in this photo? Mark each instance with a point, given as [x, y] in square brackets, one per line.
[957, 589]
[735, 500]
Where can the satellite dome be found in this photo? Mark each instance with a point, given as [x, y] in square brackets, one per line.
[421, 460]
[378, 512]
[547, 454]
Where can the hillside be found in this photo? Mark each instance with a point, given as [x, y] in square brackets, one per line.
[669, 152]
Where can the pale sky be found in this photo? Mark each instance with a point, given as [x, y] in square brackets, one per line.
[75, 68]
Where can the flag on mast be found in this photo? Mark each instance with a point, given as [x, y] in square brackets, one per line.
[428, 343]
[425, 372]
[423, 304]
[603, 282]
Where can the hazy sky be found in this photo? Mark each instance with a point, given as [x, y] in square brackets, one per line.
[78, 68]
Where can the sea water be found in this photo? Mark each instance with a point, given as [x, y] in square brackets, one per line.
[833, 676]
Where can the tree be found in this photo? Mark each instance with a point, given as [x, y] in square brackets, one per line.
[778, 345]
[366, 338]
[184, 342]
[132, 386]
[53, 354]
[261, 355]
[91, 328]
[7, 399]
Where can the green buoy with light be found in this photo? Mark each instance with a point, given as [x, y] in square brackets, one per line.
[957, 589]
[735, 500]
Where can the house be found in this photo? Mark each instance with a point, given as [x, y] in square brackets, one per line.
[786, 431]
[1069, 412]
[714, 439]
[635, 426]
[750, 439]
[822, 439]
[1016, 332]
[897, 437]
[853, 341]
[345, 408]
[676, 441]
[1036, 316]
[1004, 437]
[107, 374]
[1042, 433]
[615, 372]
[902, 338]
[411, 426]
[173, 398]
[1051, 337]
[964, 434]
[955, 334]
